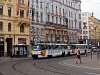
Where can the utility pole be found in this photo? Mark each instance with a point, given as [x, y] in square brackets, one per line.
[98, 47]
[84, 23]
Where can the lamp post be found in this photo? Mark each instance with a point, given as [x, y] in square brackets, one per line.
[84, 23]
[95, 35]
[97, 45]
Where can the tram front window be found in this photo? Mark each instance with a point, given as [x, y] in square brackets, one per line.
[36, 48]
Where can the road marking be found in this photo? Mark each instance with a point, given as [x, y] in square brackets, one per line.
[77, 66]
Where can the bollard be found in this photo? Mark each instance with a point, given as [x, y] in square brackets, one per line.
[98, 55]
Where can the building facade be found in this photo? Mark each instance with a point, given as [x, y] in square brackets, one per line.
[90, 28]
[14, 27]
[85, 26]
[55, 20]
[94, 31]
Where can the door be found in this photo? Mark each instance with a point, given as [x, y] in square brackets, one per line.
[9, 46]
[1, 48]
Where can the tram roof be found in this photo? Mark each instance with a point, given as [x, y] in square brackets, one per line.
[60, 44]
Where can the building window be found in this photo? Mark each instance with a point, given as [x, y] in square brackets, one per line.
[22, 28]
[71, 4]
[21, 1]
[9, 11]
[1, 26]
[1, 10]
[37, 15]
[69, 13]
[83, 32]
[63, 21]
[32, 14]
[21, 13]
[60, 11]
[52, 8]
[63, 12]
[69, 22]
[53, 19]
[48, 18]
[79, 16]
[36, 3]
[56, 10]
[56, 20]
[84, 27]
[9, 26]
[60, 20]
[41, 17]
[80, 25]
[72, 23]
[41, 4]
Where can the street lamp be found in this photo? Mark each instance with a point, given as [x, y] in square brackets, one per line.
[95, 35]
[84, 23]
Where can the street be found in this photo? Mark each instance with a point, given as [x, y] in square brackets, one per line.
[52, 66]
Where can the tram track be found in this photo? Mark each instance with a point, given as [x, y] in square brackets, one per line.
[45, 69]
[49, 65]
[62, 70]
[15, 62]
[14, 68]
[42, 65]
[2, 64]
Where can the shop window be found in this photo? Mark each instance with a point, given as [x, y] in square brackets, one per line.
[22, 41]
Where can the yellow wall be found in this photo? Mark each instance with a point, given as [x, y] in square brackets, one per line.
[14, 20]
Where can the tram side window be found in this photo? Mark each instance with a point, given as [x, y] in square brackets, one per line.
[43, 47]
[50, 47]
[65, 47]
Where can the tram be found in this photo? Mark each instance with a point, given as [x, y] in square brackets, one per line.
[41, 50]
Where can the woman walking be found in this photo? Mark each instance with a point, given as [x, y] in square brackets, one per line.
[78, 57]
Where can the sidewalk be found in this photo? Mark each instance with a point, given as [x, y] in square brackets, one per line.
[4, 59]
[87, 62]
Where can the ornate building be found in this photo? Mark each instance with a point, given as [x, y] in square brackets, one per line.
[55, 20]
[14, 27]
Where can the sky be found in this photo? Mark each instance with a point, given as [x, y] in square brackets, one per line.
[91, 6]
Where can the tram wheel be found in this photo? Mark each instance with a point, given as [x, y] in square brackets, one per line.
[34, 56]
[63, 54]
[49, 56]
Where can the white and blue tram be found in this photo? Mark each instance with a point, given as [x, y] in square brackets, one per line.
[51, 50]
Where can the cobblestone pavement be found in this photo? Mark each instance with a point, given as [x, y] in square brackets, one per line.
[54, 66]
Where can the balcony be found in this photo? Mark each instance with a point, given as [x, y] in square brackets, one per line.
[56, 25]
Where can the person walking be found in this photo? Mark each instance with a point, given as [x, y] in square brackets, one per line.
[85, 52]
[78, 57]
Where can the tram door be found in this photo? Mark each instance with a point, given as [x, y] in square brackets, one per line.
[9, 46]
[1, 48]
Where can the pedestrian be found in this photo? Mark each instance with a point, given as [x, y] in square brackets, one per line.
[78, 57]
[85, 53]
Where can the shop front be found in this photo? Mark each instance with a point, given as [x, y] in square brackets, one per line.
[1, 47]
[20, 50]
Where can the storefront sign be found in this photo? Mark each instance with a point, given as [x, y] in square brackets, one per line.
[21, 40]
